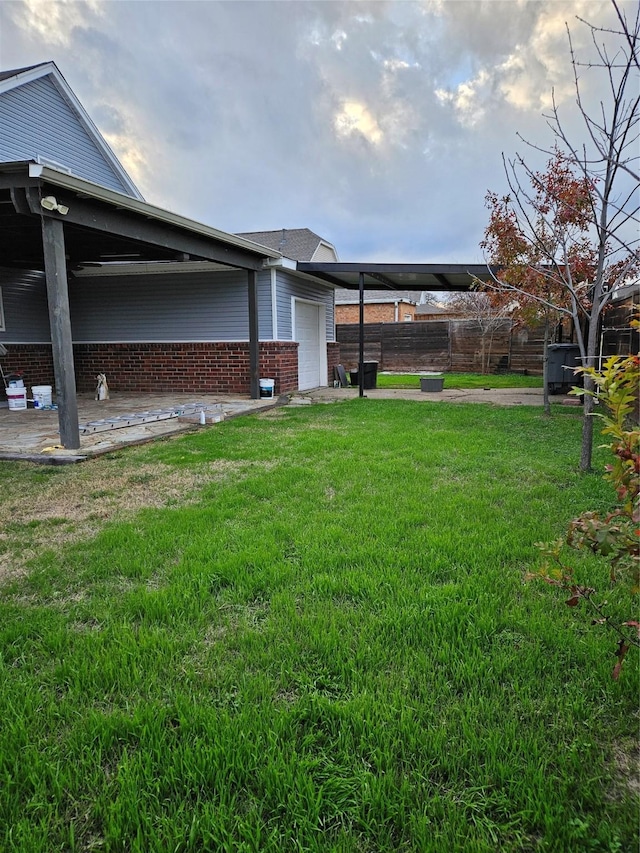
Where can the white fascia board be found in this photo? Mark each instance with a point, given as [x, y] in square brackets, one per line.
[281, 262]
[120, 200]
[27, 76]
[50, 68]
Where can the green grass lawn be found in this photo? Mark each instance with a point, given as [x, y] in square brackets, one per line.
[462, 380]
[309, 631]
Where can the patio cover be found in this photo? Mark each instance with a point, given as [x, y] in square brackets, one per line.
[55, 222]
[437, 277]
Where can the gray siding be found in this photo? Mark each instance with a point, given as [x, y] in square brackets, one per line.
[36, 121]
[289, 285]
[26, 314]
[151, 308]
[169, 307]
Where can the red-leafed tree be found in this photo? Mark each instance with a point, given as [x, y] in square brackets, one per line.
[567, 237]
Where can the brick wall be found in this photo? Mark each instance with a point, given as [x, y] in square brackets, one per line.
[199, 367]
[381, 312]
[34, 361]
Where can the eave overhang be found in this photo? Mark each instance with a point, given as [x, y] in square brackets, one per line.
[388, 276]
[102, 225]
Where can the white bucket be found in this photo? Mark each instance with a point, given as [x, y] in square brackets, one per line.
[41, 396]
[17, 398]
[267, 387]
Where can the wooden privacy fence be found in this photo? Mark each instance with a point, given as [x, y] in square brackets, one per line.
[457, 345]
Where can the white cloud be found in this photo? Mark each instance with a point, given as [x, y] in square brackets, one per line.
[356, 118]
[53, 21]
[378, 124]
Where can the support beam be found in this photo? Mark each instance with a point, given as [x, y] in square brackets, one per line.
[254, 346]
[441, 279]
[361, 337]
[383, 278]
[55, 269]
[134, 227]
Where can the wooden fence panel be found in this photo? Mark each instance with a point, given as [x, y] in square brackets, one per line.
[443, 345]
[415, 346]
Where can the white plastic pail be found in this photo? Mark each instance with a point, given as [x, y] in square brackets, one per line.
[17, 398]
[41, 396]
[267, 387]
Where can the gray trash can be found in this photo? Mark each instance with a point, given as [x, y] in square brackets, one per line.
[370, 375]
[562, 359]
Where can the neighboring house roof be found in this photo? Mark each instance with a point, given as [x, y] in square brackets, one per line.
[349, 297]
[299, 244]
[626, 292]
[436, 309]
[53, 128]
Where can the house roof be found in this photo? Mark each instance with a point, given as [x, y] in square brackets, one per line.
[11, 79]
[13, 72]
[299, 244]
[348, 297]
[431, 308]
[371, 297]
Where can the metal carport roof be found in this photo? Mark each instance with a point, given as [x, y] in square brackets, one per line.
[442, 277]
[352, 276]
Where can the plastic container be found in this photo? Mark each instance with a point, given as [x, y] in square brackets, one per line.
[431, 383]
[41, 396]
[17, 398]
[267, 387]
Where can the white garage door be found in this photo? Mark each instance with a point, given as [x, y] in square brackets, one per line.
[310, 344]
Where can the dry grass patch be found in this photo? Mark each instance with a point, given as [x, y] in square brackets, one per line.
[55, 507]
[626, 758]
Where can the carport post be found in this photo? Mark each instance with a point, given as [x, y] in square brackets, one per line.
[361, 339]
[254, 347]
[55, 268]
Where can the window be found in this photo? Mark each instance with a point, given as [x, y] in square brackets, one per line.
[1, 313]
[408, 318]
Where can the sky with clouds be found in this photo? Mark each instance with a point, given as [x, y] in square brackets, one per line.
[379, 125]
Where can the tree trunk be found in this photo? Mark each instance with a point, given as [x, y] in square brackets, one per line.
[587, 427]
[586, 451]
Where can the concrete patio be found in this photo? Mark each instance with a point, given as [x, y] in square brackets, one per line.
[33, 433]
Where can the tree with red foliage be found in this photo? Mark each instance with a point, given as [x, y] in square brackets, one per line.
[567, 237]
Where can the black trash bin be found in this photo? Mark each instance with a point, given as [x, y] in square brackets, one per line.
[562, 359]
[370, 375]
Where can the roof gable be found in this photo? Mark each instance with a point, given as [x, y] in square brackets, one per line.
[299, 244]
[34, 98]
